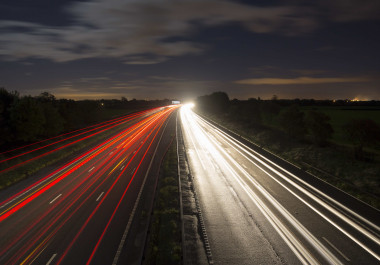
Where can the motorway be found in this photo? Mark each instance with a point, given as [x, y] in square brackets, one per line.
[256, 211]
[81, 212]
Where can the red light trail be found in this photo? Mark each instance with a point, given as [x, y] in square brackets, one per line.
[101, 169]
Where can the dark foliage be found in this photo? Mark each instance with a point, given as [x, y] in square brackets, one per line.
[363, 132]
[319, 127]
[292, 122]
[217, 102]
[25, 118]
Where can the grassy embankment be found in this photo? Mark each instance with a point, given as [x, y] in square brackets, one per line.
[164, 246]
[335, 163]
[13, 176]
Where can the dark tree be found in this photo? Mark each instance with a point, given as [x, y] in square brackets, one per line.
[68, 109]
[27, 119]
[6, 100]
[246, 112]
[362, 132]
[292, 122]
[54, 122]
[46, 97]
[217, 102]
[319, 127]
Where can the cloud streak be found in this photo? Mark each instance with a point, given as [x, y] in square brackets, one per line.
[301, 81]
[141, 29]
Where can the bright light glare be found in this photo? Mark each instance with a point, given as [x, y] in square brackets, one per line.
[189, 105]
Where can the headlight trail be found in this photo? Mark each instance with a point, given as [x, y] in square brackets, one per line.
[267, 184]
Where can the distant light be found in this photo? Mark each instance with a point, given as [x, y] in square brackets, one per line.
[190, 105]
[102, 104]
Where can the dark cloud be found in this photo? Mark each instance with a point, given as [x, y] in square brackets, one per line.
[303, 80]
[160, 48]
[351, 10]
[119, 28]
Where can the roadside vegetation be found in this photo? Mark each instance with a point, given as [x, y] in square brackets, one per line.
[26, 119]
[10, 177]
[338, 141]
[164, 245]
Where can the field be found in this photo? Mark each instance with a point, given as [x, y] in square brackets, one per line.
[341, 115]
[334, 163]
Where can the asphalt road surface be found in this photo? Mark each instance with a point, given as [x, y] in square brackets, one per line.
[256, 211]
[81, 212]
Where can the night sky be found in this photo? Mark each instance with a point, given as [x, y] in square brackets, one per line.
[155, 49]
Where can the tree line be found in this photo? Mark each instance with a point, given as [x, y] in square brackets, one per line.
[26, 119]
[287, 116]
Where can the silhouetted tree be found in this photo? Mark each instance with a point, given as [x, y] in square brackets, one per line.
[68, 109]
[362, 132]
[217, 102]
[46, 97]
[292, 122]
[54, 122]
[319, 127]
[6, 100]
[247, 112]
[27, 119]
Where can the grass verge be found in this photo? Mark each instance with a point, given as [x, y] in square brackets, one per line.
[164, 246]
[333, 164]
[22, 172]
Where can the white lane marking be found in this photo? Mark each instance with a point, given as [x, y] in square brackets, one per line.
[110, 153]
[71, 164]
[91, 169]
[244, 166]
[133, 171]
[42, 182]
[336, 249]
[233, 192]
[122, 167]
[123, 238]
[55, 198]
[297, 247]
[191, 137]
[316, 199]
[51, 259]
[101, 194]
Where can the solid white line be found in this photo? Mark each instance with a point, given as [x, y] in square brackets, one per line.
[186, 127]
[55, 198]
[299, 250]
[57, 173]
[123, 238]
[326, 206]
[42, 182]
[336, 249]
[91, 169]
[51, 259]
[101, 194]
[316, 199]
